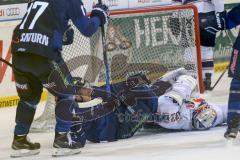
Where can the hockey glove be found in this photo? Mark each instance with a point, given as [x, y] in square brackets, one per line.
[68, 36]
[84, 94]
[212, 22]
[138, 79]
[102, 12]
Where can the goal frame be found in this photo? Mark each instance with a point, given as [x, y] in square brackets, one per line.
[168, 8]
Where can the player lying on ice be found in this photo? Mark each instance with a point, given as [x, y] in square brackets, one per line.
[171, 105]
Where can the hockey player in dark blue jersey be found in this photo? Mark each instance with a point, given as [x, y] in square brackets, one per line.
[228, 21]
[36, 46]
[170, 102]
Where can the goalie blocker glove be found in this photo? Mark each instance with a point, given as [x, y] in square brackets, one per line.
[212, 22]
[101, 11]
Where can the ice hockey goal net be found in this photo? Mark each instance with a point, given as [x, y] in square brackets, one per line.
[149, 40]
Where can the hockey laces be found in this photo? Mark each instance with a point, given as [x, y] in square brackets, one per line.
[70, 141]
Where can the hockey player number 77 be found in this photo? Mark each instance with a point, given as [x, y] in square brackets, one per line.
[43, 6]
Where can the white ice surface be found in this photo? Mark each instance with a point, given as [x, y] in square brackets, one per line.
[197, 145]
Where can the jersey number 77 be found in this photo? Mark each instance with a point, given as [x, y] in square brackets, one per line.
[40, 7]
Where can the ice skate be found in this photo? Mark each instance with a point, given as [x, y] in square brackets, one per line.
[64, 145]
[22, 147]
[231, 133]
[207, 81]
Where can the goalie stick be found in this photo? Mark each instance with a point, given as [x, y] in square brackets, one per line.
[220, 77]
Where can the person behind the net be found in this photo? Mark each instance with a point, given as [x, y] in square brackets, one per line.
[207, 39]
[36, 46]
[169, 105]
[229, 20]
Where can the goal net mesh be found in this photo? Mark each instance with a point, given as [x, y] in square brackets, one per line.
[147, 41]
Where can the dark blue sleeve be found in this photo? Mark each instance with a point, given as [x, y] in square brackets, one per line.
[77, 13]
[233, 17]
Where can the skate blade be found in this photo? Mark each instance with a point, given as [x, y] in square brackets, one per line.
[59, 152]
[232, 142]
[24, 153]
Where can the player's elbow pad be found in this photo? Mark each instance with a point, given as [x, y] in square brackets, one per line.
[87, 26]
[86, 33]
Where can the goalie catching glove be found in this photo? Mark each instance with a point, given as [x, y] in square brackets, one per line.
[213, 22]
[100, 11]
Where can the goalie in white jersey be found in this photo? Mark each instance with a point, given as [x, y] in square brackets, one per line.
[207, 38]
[182, 109]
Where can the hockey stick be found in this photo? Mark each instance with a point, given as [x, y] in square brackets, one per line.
[88, 104]
[219, 78]
[13, 67]
[8, 63]
[107, 71]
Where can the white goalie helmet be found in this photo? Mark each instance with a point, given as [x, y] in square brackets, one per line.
[203, 116]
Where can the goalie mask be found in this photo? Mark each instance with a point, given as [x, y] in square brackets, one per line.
[203, 116]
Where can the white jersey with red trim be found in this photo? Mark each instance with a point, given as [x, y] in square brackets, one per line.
[180, 117]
